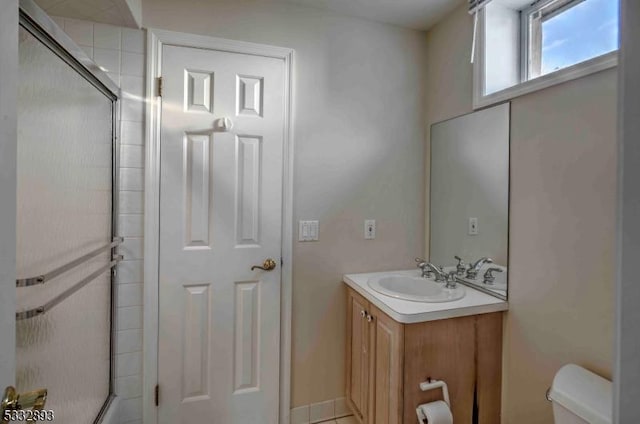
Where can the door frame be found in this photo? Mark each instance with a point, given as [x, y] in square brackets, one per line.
[156, 39]
[8, 179]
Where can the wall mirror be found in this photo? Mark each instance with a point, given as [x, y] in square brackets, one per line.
[469, 198]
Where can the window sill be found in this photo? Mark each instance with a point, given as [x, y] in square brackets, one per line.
[579, 70]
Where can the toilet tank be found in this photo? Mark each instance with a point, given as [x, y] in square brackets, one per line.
[581, 397]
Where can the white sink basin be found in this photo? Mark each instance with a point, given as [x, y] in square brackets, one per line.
[416, 289]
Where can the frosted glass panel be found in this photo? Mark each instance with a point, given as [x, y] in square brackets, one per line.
[64, 211]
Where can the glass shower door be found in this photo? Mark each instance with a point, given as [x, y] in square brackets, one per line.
[65, 233]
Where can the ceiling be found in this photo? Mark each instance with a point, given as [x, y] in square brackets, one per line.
[415, 14]
[114, 12]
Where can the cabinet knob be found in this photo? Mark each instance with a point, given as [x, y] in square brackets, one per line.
[369, 318]
[363, 314]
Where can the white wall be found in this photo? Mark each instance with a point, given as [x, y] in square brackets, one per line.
[359, 135]
[8, 143]
[627, 370]
[120, 51]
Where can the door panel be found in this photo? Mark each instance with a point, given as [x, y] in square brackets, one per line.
[357, 354]
[442, 350]
[220, 214]
[388, 357]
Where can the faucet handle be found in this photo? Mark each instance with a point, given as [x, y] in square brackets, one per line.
[451, 280]
[422, 264]
[460, 267]
[489, 278]
[490, 270]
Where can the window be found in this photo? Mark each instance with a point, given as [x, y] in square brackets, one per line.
[526, 47]
[561, 33]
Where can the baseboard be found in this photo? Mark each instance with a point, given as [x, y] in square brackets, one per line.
[320, 411]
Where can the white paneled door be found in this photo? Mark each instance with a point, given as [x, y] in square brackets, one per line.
[221, 154]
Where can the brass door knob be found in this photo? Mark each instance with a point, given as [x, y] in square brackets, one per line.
[267, 265]
[14, 401]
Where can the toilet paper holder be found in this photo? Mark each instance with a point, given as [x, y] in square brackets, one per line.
[433, 385]
[436, 384]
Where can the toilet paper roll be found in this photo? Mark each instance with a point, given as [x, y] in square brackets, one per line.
[437, 412]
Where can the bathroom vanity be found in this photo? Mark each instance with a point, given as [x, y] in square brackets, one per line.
[443, 321]
[393, 345]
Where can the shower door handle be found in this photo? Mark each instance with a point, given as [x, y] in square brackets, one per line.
[14, 401]
[267, 265]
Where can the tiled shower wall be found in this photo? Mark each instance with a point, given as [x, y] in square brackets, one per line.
[120, 52]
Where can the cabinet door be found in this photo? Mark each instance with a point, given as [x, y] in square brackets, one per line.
[387, 358]
[357, 354]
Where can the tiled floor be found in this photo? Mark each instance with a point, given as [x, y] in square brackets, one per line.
[345, 420]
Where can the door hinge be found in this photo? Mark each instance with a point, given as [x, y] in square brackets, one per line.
[156, 395]
[159, 87]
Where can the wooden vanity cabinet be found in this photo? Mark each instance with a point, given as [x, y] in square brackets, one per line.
[387, 360]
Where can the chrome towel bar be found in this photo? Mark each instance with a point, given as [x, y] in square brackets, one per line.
[30, 313]
[41, 279]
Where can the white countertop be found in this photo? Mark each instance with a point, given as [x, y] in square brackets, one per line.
[408, 312]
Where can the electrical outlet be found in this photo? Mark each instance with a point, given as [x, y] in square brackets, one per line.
[369, 229]
[473, 227]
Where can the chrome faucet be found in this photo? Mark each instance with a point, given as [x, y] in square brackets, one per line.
[473, 270]
[489, 278]
[440, 274]
[428, 269]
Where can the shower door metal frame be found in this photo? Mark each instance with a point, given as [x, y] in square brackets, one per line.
[42, 27]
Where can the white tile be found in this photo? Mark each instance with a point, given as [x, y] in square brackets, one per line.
[132, 64]
[131, 156]
[59, 21]
[130, 272]
[132, 87]
[129, 364]
[106, 36]
[131, 202]
[132, 40]
[322, 411]
[132, 133]
[342, 410]
[88, 51]
[129, 387]
[131, 409]
[131, 225]
[132, 109]
[114, 77]
[128, 341]
[129, 318]
[48, 4]
[300, 415]
[129, 294]
[108, 60]
[347, 420]
[131, 179]
[132, 248]
[80, 31]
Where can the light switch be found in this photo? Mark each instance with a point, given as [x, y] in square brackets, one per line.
[473, 227]
[369, 229]
[308, 230]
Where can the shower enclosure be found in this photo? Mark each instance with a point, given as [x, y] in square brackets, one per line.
[66, 222]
